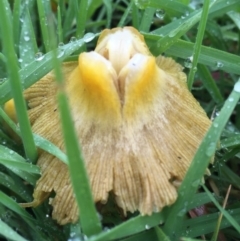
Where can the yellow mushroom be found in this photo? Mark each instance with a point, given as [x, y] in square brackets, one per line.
[138, 126]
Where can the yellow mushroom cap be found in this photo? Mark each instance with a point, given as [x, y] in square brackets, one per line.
[138, 126]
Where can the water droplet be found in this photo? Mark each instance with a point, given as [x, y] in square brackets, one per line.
[73, 39]
[237, 86]
[88, 37]
[219, 64]
[172, 34]
[39, 56]
[215, 125]
[196, 183]
[188, 62]
[147, 227]
[182, 212]
[26, 38]
[2, 80]
[231, 99]
[20, 60]
[160, 13]
[61, 44]
[211, 149]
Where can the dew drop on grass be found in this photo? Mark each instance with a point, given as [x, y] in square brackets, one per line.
[39, 56]
[237, 87]
[188, 62]
[88, 37]
[196, 183]
[160, 13]
[61, 44]
[215, 125]
[182, 212]
[172, 34]
[73, 39]
[219, 65]
[147, 227]
[211, 149]
[2, 80]
[26, 38]
[231, 99]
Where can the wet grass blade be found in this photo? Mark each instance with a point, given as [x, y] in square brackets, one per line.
[9, 233]
[16, 88]
[198, 44]
[147, 19]
[210, 84]
[89, 219]
[198, 166]
[40, 142]
[130, 227]
[38, 68]
[81, 17]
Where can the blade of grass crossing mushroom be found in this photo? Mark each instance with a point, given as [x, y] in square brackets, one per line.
[89, 220]
[16, 88]
[198, 43]
[199, 165]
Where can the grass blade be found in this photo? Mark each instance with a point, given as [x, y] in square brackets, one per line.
[210, 84]
[16, 88]
[147, 19]
[81, 18]
[89, 220]
[231, 220]
[197, 45]
[27, 45]
[199, 165]
[38, 68]
[40, 142]
[130, 227]
[43, 16]
[8, 232]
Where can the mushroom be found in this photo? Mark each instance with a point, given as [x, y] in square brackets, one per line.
[137, 124]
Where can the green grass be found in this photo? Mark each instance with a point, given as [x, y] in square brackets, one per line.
[204, 38]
